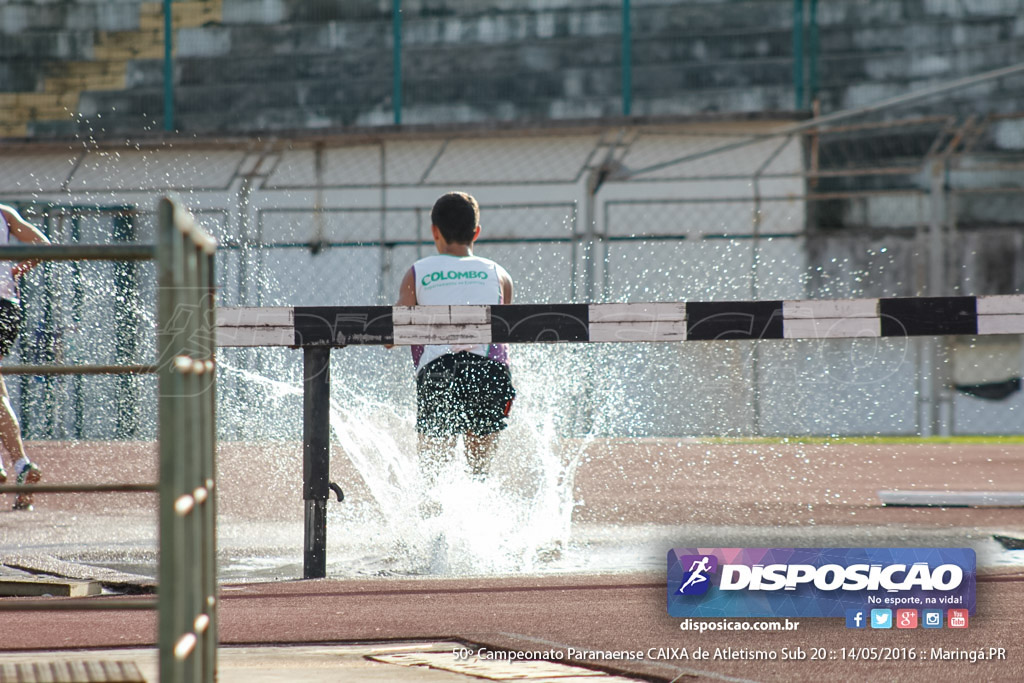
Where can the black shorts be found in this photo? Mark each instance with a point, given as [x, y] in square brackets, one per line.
[463, 392]
[12, 320]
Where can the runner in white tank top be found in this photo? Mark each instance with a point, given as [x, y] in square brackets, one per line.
[460, 390]
[446, 280]
[11, 321]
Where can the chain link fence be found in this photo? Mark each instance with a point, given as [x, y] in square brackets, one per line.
[87, 312]
[877, 205]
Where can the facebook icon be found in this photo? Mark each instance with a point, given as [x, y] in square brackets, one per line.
[856, 618]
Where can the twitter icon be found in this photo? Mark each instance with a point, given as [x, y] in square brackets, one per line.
[881, 618]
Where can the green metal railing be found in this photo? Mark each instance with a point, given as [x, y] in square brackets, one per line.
[187, 382]
[187, 594]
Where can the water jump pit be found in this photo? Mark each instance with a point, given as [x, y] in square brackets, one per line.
[588, 506]
[585, 481]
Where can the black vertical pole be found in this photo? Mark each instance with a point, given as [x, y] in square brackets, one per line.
[126, 329]
[316, 451]
[78, 303]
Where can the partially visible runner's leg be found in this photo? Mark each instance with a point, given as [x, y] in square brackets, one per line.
[434, 453]
[25, 472]
[479, 452]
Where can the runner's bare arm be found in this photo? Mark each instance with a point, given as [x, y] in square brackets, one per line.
[24, 232]
[506, 286]
[406, 294]
[407, 291]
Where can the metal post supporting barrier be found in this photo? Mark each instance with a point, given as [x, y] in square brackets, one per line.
[187, 600]
[316, 457]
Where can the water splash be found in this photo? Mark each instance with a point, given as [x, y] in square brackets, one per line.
[518, 519]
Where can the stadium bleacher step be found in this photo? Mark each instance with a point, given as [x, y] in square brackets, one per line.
[188, 14]
[64, 81]
[79, 76]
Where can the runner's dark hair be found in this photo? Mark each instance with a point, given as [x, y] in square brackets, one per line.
[456, 214]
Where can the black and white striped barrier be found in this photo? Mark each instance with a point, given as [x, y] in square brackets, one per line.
[336, 326]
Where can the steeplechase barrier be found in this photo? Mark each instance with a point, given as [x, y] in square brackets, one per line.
[187, 595]
[338, 326]
[318, 329]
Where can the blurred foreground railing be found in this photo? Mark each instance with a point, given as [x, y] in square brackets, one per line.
[187, 599]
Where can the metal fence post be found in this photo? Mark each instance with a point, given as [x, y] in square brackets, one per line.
[126, 325]
[627, 60]
[814, 53]
[798, 54]
[396, 60]
[168, 67]
[940, 413]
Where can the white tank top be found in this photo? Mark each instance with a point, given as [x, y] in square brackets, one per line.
[7, 288]
[445, 280]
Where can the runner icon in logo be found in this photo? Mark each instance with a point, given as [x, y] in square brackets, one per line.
[697, 575]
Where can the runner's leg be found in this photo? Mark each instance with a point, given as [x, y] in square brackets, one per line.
[10, 429]
[434, 452]
[480, 451]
